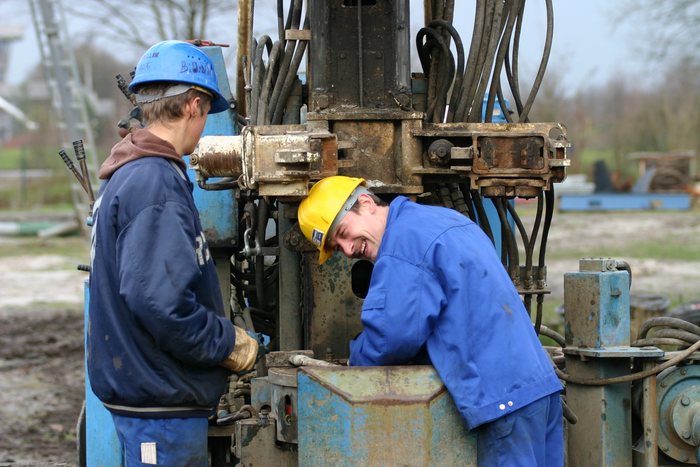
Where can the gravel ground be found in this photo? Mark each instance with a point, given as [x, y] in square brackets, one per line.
[41, 322]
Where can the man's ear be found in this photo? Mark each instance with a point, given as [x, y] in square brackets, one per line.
[194, 107]
[366, 202]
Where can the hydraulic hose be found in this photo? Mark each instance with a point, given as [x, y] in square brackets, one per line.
[289, 79]
[268, 83]
[500, 58]
[631, 377]
[287, 60]
[543, 63]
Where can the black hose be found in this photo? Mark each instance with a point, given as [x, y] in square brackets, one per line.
[295, 18]
[538, 313]
[527, 301]
[289, 79]
[512, 248]
[509, 21]
[464, 188]
[494, 37]
[268, 84]
[459, 71]
[280, 20]
[481, 215]
[438, 81]
[470, 69]
[552, 334]
[631, 377]
[549, 212]
[260, 258]
[624, 266]
[520, 226]
[512, 74]
[543, 63]
[258, 76]
[667, 321]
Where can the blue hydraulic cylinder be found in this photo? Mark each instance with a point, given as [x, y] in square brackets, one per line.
[217, 209]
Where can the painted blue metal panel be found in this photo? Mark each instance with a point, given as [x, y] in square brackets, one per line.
[379, 416]
[102, 446]
[599, 316]
[625, 202]
[217, 209]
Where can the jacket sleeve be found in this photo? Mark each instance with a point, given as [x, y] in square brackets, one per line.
[158, 270]
[398, 314]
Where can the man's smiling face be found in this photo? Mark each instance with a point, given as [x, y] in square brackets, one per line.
[359, 234]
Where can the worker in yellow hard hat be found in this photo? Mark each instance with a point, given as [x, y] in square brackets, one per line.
[439, 294]
[329, 201]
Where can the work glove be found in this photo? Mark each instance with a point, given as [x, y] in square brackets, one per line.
[245, 352]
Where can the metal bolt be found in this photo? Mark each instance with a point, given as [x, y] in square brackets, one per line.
[664, 448]
[684, 371]
[685, 400]
[686, 435]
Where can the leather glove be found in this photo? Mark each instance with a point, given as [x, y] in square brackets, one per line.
[245, 352]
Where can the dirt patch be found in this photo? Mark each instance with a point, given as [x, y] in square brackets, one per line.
[594, 233]
[41, 385]
[41, 349]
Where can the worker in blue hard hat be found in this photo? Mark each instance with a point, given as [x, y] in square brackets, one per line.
[159, 346]
[439, 294]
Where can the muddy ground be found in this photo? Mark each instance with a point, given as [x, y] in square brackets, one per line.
[41, 349]
[41, 318]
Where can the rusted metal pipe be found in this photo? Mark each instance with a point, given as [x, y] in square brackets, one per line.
[650, 422]
[245, 24]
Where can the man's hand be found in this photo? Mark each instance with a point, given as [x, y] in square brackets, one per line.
[245, 352]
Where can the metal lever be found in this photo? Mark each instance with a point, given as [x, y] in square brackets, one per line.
[80, 156]
[69, 163]
[121, 84]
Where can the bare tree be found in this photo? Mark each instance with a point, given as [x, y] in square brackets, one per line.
[670, 27]
[140, 23]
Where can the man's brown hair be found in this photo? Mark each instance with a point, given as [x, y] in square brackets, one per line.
[170, 108]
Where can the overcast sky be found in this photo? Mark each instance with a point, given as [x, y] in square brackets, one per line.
[588, 48]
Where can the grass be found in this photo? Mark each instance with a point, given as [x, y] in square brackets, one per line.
[10, 159]
[674, 247]
[47, 194]
[71, 247]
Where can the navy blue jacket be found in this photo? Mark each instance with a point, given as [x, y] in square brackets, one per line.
[438, 285]
[157, 330]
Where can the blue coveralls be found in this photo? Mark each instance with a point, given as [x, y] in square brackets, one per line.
[438, 285]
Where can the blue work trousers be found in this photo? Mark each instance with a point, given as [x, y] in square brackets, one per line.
[163, 441]
[528, 437]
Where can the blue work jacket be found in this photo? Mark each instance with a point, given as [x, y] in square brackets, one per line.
[157, 331]
[438, 284]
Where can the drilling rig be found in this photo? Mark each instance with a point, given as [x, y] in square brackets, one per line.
[457, 134]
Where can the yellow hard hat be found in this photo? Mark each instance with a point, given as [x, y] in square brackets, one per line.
[319, 210]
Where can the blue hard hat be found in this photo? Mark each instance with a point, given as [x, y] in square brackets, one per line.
[179, 62]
